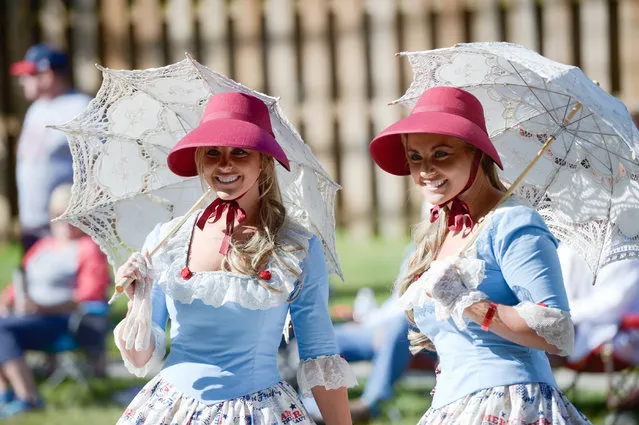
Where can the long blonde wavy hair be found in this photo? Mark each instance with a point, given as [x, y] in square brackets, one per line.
[428, 239]
[249, 257]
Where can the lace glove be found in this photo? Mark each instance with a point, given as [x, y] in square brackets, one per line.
[452, 285]
[552, 324]
[136, 326]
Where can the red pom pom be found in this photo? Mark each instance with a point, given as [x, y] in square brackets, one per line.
[186, 273]
[266, 275]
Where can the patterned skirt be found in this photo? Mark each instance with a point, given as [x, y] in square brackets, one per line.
[519, 404]
[160, 403]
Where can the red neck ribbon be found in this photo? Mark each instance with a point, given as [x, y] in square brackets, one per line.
[459, 216]
[216, 209]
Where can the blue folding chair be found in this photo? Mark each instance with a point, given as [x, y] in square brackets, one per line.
[65, 348]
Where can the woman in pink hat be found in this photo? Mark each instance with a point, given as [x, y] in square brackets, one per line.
[484, 286]
[226, 281]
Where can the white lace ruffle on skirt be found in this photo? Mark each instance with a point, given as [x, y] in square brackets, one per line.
[160, 403]
[518, 404]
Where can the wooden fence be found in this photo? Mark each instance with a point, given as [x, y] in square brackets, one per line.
[331, 62]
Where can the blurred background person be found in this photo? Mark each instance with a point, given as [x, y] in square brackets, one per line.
[597, 308]
[375, 334]
[43, 156]
[62, 271]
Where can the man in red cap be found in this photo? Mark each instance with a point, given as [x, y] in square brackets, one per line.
[43, 156]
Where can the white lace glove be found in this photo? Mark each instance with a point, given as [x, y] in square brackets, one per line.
[452, 285]
[136, 326]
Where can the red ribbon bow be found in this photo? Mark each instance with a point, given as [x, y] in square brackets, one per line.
[459, 212]
[216, 208]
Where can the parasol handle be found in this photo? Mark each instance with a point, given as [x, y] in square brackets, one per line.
[520, 178]
[121, 286]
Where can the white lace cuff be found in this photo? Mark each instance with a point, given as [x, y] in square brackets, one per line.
[330, 372]
[552, 324]
[463, 302]
[157, 357]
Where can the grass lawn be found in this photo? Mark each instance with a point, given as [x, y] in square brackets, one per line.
[372, 263]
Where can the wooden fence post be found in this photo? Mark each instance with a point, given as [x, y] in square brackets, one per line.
[249, 63]
[179, 20]
[53, 21]
[629, 34]
[595, 49]
[356, 165]
[557, 44]
[521, 23]
[281, 55]
[316, 108]
[485, 22]
[115, 37]
[146, 19]
[214, 35]
[385, 74]
[84, 25]
[450, 27]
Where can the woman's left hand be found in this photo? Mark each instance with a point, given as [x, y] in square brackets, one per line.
[450, 294]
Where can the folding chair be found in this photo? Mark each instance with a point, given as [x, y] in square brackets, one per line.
[66, 347]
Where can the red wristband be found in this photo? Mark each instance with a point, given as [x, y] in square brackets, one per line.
[488, 318]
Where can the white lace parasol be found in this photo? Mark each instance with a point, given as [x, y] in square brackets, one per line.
[122, 185]
[586, 185]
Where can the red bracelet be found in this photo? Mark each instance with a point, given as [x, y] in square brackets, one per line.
[488, 318]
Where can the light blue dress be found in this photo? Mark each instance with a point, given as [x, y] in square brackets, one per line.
[486, 379]
[225, 332]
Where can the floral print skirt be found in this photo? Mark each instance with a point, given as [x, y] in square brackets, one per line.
[160, 403]
[519, 404]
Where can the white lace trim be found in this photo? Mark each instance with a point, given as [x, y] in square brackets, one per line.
[471, 270]
[219, 287]
[157, 357]
[462, 304]
[552, 324]
[330, 372]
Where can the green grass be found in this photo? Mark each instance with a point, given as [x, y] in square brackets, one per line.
[373, 263]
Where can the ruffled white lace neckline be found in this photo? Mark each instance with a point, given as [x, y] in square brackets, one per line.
[216, 288]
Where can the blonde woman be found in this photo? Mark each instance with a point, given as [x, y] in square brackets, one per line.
[226, 281]
[493, 312]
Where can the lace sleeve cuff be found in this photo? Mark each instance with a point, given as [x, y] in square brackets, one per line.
[552, 324]
[157, 357]
[330, 372]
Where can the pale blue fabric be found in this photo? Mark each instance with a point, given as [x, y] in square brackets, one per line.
[222, 353]
[522, 264]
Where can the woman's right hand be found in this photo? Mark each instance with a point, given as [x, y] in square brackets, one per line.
[136, 329]
[137, 268]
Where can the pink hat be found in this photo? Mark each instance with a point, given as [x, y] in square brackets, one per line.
[230, 119]
[440, 110]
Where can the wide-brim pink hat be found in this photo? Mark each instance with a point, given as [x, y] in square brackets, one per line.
[447, 111]
[230, 119]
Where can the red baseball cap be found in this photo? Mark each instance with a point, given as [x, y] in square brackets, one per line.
[39, 58]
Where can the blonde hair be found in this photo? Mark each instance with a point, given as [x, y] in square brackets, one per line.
[59, 200]
[251, 256]
[428, 239]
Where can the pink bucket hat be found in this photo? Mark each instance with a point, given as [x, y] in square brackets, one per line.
[230, 119]
[440, 110]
